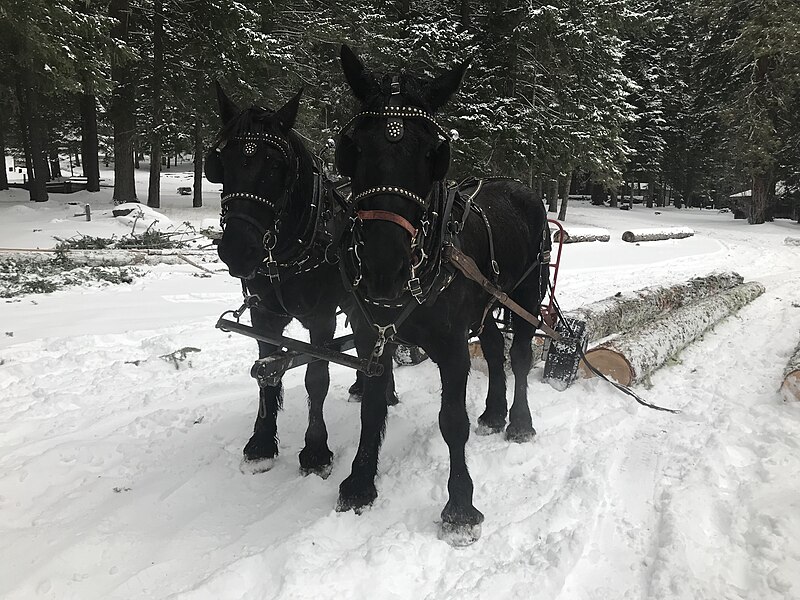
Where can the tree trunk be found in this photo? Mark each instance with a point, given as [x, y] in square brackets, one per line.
[197, 197]
[34, 130]
[614, 202]
[4, 173]
[762, 183]
[598, 194]
[650, 190]
[552, 195]
[632, 357]
[464, 14]
[632, 310]
[90, 147]
[55, 165]
[562, 214]
[790, 390]
[123, 104]
[154, 189]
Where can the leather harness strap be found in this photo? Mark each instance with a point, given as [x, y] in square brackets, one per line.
[385, 215]
[467, 266]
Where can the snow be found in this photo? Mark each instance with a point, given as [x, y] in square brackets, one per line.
[119, 473]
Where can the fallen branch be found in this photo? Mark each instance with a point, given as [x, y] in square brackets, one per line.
[110, 257]
[650, 235]
[790, 389]
[633, 356]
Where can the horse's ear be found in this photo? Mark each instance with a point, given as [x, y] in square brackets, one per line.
[345, 157]
[441, 161]
[227, 109]
[287, 114]
[446, 85]
[213, 167]
[361, 81]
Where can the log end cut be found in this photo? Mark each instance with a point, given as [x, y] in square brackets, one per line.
[790, 390]
[610, 363]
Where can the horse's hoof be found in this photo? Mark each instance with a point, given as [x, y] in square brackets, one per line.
[392, 399]
[355, 500]
[320, 463]
[253, 467]
[355, 397]
[520, 436]
[459, 535]
[323, 471]
[485, 428]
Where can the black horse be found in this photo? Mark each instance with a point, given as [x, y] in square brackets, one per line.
[277, 209]
[396, 255]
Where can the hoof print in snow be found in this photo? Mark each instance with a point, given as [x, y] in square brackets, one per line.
[119, 490]
[254, 467]
[520, 436]
[459, 536]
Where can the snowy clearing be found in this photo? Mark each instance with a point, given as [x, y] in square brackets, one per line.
[119, 471]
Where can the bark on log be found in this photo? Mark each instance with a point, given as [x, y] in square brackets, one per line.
[626, 311]
[790, 390]
[631, 357]
[588, 234]
[649, 235]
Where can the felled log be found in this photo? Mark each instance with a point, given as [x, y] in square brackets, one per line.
[633, 356]
[661, 233]
[625, 311]
[588, 234]
[790, 390]
[791, 241]
[111, 257]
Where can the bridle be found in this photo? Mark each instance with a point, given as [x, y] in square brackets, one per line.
[250, 142]
[249, 148]
[395, 114]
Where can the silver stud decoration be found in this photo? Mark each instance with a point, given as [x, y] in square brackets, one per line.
[250, 148]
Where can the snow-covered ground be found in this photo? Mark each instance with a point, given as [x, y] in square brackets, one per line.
[119, 472]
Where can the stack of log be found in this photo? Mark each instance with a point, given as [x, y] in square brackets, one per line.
[637, 352]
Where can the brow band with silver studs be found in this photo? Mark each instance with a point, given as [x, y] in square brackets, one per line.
[399, 112]
[249, 140]
[396, 191]
[247, 196]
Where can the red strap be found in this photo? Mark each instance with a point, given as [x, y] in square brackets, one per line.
[385, 215]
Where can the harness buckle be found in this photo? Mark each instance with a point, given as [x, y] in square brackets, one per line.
[385, 334]
[416, 289]
[272, 269]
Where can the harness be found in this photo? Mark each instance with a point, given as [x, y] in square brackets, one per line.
[435, 239]
[288, 256]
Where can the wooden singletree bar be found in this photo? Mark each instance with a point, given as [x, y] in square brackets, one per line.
[633, 356]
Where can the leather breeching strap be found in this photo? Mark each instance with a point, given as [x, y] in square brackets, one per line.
[467, 266]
